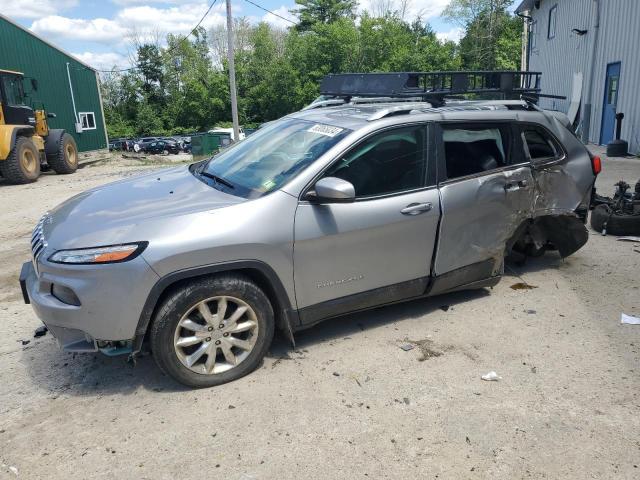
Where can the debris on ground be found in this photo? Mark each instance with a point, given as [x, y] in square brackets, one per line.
[491, 377]
[25, 342]
[629, 320]
[40, 331]
[523, 286]
[530, 312]
[428, 349]
[407, 346]
[336, 374]
[444, 308]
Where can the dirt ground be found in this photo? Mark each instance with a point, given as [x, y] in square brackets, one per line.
[348, 402]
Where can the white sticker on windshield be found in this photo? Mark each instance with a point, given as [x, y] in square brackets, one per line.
[327, 130]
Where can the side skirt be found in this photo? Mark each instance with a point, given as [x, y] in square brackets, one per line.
[467, 278]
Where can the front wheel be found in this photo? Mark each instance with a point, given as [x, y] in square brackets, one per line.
[212, 331]
[23, 163]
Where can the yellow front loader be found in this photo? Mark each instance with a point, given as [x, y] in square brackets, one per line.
[26, 142]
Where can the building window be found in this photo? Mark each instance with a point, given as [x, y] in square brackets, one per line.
[551, 33]
[87, 120]
[533, 36]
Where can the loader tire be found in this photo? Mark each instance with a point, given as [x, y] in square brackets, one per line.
[23, 163]
[65, 160]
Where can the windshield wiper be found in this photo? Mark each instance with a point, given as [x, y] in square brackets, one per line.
[217, 179]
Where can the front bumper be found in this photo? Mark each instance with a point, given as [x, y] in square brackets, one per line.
[111, 300]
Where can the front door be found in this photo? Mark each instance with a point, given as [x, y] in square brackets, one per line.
[611, 88]
[486, 194]
[377, 249]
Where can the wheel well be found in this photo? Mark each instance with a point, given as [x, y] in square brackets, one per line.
[280, 305]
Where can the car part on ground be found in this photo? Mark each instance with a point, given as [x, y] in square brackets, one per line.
[619, 215]
[324, 212]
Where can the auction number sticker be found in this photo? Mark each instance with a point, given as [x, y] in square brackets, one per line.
[327, 130]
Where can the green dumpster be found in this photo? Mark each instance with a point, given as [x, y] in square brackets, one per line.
[207, 144]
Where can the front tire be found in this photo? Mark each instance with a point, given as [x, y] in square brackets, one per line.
[23, 163]
[212, 331]
[65, 160]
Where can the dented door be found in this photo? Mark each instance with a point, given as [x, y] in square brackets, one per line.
[479, 215]
[486, 192]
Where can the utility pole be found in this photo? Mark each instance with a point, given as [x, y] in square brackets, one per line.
[232, 74]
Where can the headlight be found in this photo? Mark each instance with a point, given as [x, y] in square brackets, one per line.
[109, 254]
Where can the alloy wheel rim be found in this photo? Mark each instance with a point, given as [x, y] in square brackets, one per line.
[28, 160]
[216, 335]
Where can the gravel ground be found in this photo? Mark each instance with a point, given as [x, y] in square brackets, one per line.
[348, 402]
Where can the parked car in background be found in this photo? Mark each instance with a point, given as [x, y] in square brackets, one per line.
[326, 211]
[116, 144]
[161, 146]
[140, 144]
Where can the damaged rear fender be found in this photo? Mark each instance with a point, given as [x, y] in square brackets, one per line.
[567, 233]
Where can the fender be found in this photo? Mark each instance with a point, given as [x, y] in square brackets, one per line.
[52, 141]
[286, 316]
[8, 134]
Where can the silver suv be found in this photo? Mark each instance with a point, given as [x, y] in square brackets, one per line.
[326, 211]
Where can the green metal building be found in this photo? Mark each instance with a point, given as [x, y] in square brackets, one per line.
[66, 86]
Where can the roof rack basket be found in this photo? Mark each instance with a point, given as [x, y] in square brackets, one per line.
[432, 86]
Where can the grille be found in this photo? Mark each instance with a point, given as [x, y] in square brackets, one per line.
[38, 243]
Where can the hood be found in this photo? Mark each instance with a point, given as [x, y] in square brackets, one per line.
[130, 210]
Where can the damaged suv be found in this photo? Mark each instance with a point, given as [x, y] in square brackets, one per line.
[326, 211]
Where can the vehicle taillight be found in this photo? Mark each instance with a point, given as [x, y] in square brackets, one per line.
[596, 165]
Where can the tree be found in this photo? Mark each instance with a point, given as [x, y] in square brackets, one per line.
[181, 85]
[485, 23]
[313, 12]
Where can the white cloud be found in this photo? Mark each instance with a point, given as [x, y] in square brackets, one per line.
[454, 35]
[176, 20]
[103, 61]
[145, 21]
[277, 21]
[99, 30]
[34, 8]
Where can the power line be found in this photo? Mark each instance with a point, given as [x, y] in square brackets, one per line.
[193, 30]
[272, 13]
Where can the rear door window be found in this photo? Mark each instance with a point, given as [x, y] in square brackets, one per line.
[539, 145]
[474, 149]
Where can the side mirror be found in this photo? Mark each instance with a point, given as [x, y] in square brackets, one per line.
[34, 84]
[332, 190]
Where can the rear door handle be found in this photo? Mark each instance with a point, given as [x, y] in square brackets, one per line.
[416, 208]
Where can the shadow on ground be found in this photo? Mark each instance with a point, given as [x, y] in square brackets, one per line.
[94, 374]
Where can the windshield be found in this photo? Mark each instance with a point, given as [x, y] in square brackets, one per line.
[270, 157]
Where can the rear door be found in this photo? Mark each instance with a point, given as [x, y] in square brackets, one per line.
[379, 248]
[486, 193]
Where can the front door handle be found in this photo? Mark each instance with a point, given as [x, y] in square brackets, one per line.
[416, 208]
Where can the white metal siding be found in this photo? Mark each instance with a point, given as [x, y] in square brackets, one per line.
[560, 57]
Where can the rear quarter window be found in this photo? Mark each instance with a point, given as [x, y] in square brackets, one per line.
[540, 145]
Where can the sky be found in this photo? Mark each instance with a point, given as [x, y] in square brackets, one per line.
[99, 31]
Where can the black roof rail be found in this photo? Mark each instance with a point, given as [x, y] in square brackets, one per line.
[432, 86]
